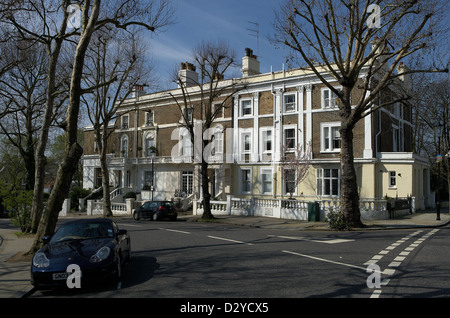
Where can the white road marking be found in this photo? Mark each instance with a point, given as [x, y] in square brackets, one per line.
[229, 240]
[325, 260]
[376, 293]
[398, 259]
[177, 231]
[132, 225]
[326, 241]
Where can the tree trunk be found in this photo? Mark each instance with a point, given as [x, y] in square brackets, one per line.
[73, 151]
[40, 159]
[64, 176]
[207, 215]
[105, 184]
[349, 188]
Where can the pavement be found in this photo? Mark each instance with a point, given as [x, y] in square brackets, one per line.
[15, 270]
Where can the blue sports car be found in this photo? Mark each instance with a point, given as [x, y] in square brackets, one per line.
[84, 249]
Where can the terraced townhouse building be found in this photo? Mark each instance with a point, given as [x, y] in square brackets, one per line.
[149, 150]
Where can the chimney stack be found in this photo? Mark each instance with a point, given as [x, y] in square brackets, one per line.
[187, 74]
[382, 51]
[250, 64]
[405, 78]
[138, 90]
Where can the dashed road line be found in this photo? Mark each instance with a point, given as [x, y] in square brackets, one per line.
[386, 251]
[324, 260]
[322, 240]
[229, 240]
[397, 261]
[176, 231]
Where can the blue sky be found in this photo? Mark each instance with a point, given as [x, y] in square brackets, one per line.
[211, 20]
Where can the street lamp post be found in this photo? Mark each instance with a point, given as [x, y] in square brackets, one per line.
[438, 203]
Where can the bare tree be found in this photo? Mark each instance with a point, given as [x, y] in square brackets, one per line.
[46, 21]
[432, 129]
[32, 22]
[212, 95]
[333, 38]
[22, 88]
[295, 163]
[112, 56]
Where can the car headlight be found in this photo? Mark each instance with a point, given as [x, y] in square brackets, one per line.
[101, 255]
[41, 260]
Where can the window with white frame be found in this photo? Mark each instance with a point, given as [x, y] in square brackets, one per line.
[150, 149]
[246, 180]
[124, 146]
[217, 140]
[186, 143]
[329, 98]
[266, 140]
[289, 137]
[187, 185]
[246, 138]
[392, 179]
[148, 178]
[125, 121]
[246, 107]
[266, 181]
[289, 103]
[149, 118]
[328, 181]
[331, 137]
[289, 178]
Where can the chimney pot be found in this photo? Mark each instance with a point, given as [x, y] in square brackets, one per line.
[187, 74]
[250, 63]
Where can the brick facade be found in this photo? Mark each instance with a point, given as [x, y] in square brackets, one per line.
[306, 120]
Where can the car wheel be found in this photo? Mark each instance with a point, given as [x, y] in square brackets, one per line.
[136, 215]
[155, 216]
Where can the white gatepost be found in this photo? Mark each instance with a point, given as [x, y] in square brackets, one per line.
[413, 204]
[229, 197]
[277, 209]
[194, 206]
[89, 207]
[81, 204]
[130, 205]
[65, 208]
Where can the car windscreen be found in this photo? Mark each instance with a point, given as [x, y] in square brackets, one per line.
[86, 230]
[167, 204]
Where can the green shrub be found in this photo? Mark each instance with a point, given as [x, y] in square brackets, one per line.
[75, 194]
[18, 203]
[130, 195]
[336, 220]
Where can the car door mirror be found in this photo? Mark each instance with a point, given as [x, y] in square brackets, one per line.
[46, 239]
[122, 232]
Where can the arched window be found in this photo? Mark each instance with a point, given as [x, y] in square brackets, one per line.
[149, 145]
[124, 146]
[186, 143]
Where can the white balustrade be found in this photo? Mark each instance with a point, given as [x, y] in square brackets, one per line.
[290, 209]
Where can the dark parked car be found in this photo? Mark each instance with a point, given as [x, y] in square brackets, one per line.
[97, 246]
[156, 210]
